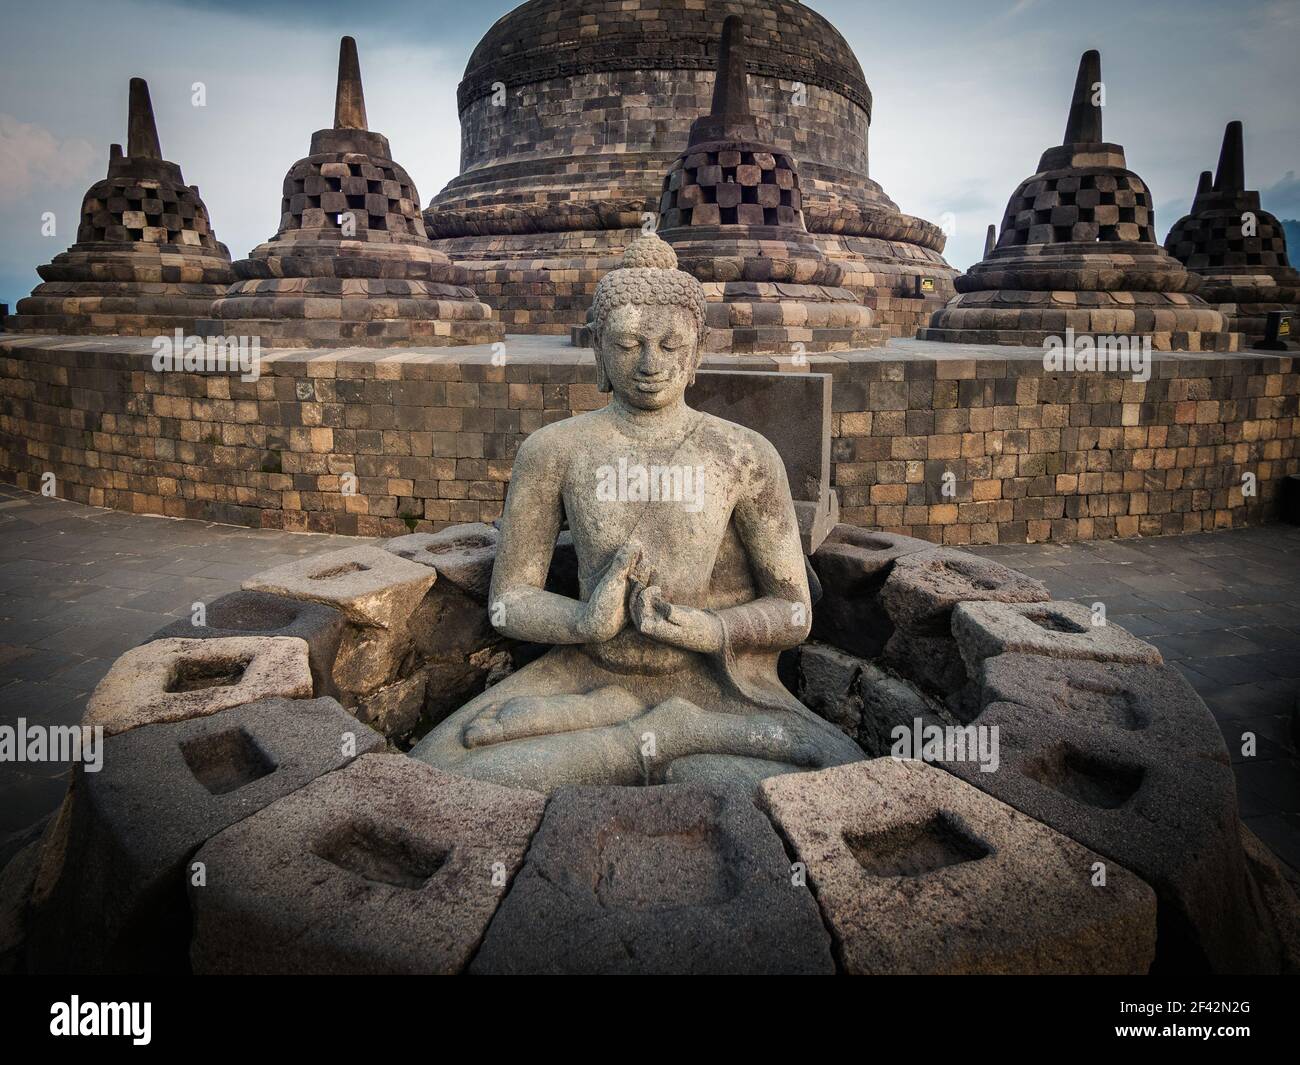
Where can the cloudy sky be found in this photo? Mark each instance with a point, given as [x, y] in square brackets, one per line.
[967, 95]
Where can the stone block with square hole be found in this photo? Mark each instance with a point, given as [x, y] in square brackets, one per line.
[175, 679]
[455, 643]
[853, 565]
[162, 793]
[261, 614]
[919, 596]
[387, 866]
[672, 879]
[917, 872]
[376, 590]
[1132, 788]
[1052, 629]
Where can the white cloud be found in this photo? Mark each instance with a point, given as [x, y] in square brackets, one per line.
[32, 158]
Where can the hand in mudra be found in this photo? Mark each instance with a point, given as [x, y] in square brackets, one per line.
[605, 612]
[678, 626]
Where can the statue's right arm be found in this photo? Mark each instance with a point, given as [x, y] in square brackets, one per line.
[519, 605]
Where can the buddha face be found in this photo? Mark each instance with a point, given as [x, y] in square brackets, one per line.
[649, 354]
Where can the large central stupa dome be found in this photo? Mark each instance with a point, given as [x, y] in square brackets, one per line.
[572, 110]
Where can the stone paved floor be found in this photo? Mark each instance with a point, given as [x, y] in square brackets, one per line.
[78, 586]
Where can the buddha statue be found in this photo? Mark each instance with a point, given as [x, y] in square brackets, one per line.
[691, 578]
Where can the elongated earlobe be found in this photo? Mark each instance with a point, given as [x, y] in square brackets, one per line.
[602, 378]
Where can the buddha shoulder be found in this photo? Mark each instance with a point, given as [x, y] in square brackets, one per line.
[739, 444]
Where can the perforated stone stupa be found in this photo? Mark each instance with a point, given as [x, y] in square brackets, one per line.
[732, 209]
[351, 264]
[572, 110]
[1238, 248]
[146, 260]
[1078, 250]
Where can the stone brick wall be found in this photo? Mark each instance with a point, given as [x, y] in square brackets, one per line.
[429, 437]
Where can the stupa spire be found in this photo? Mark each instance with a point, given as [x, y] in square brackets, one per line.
[141, 131]
[731, 86]
[1084, 123]
[349, 100]
[1231, 175]
[1205, 184]
[990, 240]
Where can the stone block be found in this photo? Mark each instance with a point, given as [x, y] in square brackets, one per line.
[924, 586]
[859, 697]
[371, 586]
[462, 555]
[1052, 629]
[852, 566]
[917, 872]
[1140, 777]
[376, 590]
[260, 614]
[163, 791]
[387, 866]
[671, 879]
[175, 680]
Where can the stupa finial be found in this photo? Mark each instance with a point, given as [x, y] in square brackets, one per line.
[349, 100]
[1205, 184]
[1084, 123]
[990, 240]
[141, 131]
[1231, 175]
[731, 87]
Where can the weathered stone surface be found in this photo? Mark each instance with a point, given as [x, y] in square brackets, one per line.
[924, 586]
[862, 699]
[1053, 629]
[377, 590]
[1142, 798]
[395, 709]
[462, 555]
[387, 866]
[793, 411]
[673, 879]
[1124, 697]
[1279, 899]
[372, 587]
[17, 880]
[852, 566]
[163, 791]
[917, 872]
[174, 680]
[259, 614]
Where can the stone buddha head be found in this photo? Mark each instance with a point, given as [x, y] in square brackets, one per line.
[648, 327]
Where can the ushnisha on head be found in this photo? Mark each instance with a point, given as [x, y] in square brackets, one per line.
[648, 327]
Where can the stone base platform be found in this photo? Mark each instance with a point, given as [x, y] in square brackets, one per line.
[387, 441]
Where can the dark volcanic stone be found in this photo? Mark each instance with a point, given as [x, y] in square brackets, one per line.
[263, 614]
[670, 879]
[162, 792]
[1158, 798]
[852, 566]
[387, 866]
[924, 586]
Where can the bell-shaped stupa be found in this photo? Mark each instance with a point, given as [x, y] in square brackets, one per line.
[351, 264]
[1238, 248]
[1078, 250]
[732, 209]
[146, 260]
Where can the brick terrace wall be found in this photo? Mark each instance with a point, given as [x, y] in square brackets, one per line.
[430, 436]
